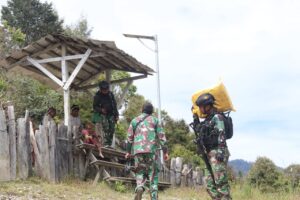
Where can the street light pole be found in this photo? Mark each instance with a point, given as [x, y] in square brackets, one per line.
[153, 38]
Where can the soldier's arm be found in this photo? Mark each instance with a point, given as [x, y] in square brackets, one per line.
[130, 137]
[219, 127]
[96, 104]
[116, 112]
[162, 137]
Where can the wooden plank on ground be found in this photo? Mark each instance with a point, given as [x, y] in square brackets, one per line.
[24, 151]
[4, 149]
[106, 151]
[12, 142]
[108, 164]
[133, 181]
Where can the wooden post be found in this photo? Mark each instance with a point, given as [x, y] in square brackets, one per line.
[178, 168]
[172, 172]
[62, 154]
[43, 144]
[12, 142]
[65, 76]
[24, 152]
[52, 151]
[4, 149]
[38, 160]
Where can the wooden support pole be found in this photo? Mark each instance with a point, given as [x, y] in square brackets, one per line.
[12, 142]
[52, 151]
[65, 76]
[4, 149]
[77, 69]
[121, 101]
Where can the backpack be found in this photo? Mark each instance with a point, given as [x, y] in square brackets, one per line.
[228, 125]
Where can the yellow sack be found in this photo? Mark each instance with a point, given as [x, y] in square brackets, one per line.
[222, 100]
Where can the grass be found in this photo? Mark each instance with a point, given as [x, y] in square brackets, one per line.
[35, 188]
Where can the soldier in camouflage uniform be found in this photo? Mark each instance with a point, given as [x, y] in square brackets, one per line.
[145, 136]
[216, 149]
[105, 112]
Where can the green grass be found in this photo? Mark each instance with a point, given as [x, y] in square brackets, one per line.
[35, 188]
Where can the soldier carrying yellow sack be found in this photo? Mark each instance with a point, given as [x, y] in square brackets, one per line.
[211, 142]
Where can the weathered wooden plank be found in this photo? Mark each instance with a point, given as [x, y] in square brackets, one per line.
[12, 142]
[43, 144]
[35, 141]
[62, 155]
[4, 149]
[52, 151]
[172, 172]
[132, 181]
[24, 151]
[108, 164]
[106, 151]
[178, 168]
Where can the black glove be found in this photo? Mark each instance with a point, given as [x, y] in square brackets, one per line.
[220, 156]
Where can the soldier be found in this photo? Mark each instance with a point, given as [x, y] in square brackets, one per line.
[105, 112]
[145, 136]
[214, 141]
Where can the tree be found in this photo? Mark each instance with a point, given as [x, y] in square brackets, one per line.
[26, 93]
[10, 39]
[266, 177]
[33, 18]
[80, 29]
[293, 172]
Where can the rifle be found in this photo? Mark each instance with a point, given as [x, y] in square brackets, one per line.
[198, 128]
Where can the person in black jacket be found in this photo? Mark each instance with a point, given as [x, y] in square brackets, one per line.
[105, 112]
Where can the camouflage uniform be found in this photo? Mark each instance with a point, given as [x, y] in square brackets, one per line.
[106, 120]
[215, 143]
[144, 143]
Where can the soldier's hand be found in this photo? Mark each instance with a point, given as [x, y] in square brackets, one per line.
[220, 156]
[166, 156]
[127, 155]
[116, 118]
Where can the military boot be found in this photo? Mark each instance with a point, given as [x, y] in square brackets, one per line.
[139, 193]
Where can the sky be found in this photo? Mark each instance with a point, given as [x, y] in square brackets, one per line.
[252, 45]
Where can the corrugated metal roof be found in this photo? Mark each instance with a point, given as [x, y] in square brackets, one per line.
[105, 55]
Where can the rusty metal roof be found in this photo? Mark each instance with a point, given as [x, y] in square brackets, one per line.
[105, 55]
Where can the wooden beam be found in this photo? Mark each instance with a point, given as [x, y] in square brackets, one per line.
[124, 93]
[45, 71]
[113, 82]
[77, 69]
[53, 46]
[58, 59]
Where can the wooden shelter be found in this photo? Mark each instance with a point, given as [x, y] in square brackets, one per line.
[72, 63]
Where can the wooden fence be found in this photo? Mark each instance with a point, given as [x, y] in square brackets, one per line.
[58, 152]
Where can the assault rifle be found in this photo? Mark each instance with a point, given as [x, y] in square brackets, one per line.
[200, 131]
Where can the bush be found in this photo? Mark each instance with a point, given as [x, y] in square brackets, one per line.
[187, 155]
[266, 177]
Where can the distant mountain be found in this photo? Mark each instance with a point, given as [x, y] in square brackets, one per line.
[240, 165]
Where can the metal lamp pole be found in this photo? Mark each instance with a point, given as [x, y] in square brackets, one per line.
[153, 38]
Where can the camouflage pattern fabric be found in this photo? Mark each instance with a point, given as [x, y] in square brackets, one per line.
[108, 126]
[218, 188]
[144, 138]
[147, 168]
[148, 136]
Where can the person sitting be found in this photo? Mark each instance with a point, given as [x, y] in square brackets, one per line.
[90, 137]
